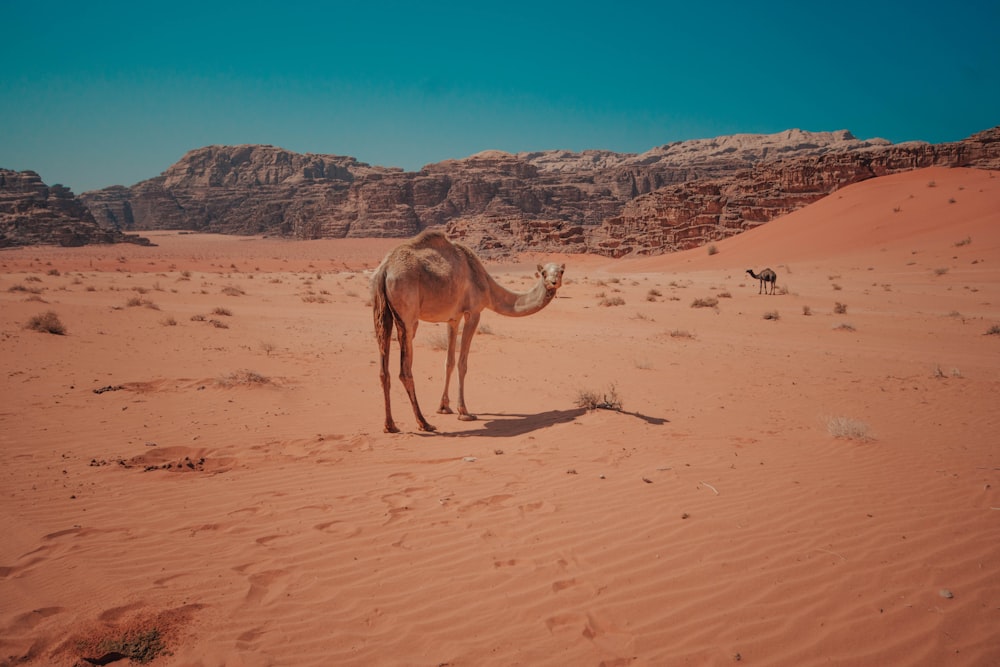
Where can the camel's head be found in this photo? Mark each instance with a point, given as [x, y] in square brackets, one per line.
[551, 274]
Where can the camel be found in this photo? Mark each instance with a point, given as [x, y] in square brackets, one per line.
[430, 278]
[765, 276]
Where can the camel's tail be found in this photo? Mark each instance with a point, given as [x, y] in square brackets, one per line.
[382, 310]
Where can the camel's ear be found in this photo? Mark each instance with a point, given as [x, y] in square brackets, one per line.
[563, 266]
[541, 270]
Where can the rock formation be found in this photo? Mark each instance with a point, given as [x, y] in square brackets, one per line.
[33, 213]
[674, 196]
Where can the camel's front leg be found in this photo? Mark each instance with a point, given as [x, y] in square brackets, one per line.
[468, 331]
[445, 408]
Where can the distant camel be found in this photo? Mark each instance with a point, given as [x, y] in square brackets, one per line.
[430, 278]
[766, 276]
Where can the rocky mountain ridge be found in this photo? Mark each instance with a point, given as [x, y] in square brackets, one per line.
[671, 197]
[33, 213]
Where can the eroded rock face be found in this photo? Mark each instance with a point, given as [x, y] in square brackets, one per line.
[672, 197]
[33, 213]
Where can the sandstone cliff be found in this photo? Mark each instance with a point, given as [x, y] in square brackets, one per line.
[33, 213]
[674, 196]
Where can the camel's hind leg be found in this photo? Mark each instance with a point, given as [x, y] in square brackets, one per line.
[383, 332]
[406, 373]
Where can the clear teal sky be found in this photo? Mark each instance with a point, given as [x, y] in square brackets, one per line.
[97, 93]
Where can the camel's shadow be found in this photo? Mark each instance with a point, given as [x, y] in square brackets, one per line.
[509, 425]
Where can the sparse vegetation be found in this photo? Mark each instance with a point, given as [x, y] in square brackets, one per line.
[224, 312]
[243, 378]
[843, 326]
[590, 400]
[681, 333]
[941, 270]
[772, 315]
[993, 330]
[712, 250]
[198, 318]
[806, 310]
[840, 308]
[705, 302]
[966, 241]
[612, 301]
[849, 429]
[232, 290]
[169, 321]
[47, 322]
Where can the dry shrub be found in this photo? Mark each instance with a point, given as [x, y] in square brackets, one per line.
[591, 400]
[709, 302]
[840, 308]
[806, 310]
[993, 330]
[849, 429]
[232, 290]
[844, 326]
[681, 333]
[772, 315]
[224, 312]
[612, 301]
[47, 322]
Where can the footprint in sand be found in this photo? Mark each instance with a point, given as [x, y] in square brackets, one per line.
[263, 587]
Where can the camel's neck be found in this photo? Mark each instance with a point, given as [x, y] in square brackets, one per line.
[515, 304]
[752, 274]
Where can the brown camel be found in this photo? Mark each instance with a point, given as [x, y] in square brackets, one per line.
[430, 278]
[765, 276]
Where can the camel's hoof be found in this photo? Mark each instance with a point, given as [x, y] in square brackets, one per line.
[445, 410]
[467, 418]
[427, 427]
[391, 428]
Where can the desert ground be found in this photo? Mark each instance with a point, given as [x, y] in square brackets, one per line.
[195, 471]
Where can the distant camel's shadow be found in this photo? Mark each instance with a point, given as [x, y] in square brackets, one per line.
[508, 425]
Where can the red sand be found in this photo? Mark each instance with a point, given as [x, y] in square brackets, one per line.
[714, 519]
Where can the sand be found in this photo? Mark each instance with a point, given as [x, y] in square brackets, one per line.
[197, 469]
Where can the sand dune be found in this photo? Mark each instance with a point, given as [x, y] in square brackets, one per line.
[201, 454]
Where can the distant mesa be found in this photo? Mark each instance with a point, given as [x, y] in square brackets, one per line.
[33, 213]
[671, 197]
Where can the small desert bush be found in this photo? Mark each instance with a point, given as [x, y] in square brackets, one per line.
[708, 302]
[712, 250]
[267, 346]
[439, 340]
[653, 293]
[612, 301]
[47, 322]
[681, 333]
[843, 326]
[840, 308]
[198, 318]
[232, 290]
[224, 312]
[941, 270]
[724, 295]
[592, 400]
[772, 315]
[993, 330]
[218, 324]
[966, 241]
[806, 310]
[849, 429]
[314, 298]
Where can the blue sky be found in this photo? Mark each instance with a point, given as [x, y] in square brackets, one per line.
[111, 93]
